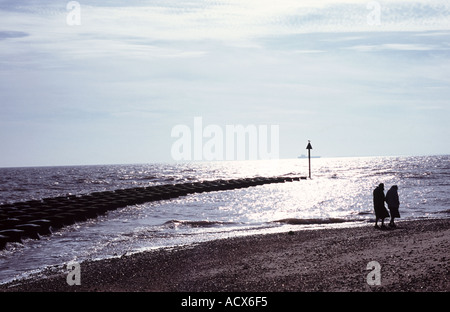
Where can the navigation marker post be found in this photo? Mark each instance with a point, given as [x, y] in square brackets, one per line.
[309, 148]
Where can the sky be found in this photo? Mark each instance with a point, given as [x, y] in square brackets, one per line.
[106, 82]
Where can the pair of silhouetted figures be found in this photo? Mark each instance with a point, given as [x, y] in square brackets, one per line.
[392, 201]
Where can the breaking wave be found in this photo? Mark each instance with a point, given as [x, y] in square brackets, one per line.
[313, 221]
[196, 224]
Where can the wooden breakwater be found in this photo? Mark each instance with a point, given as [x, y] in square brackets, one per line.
[33, 218]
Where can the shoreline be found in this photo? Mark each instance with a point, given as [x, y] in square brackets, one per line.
[413, 257]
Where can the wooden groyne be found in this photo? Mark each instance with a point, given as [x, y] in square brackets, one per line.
[31, 219]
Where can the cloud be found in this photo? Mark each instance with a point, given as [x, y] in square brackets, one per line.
[227, 19]
[395, 47]
[12, 34]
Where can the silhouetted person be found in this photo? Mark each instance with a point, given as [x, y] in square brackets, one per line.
[378, 204]
[393, 204]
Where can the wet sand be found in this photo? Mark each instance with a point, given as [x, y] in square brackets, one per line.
[413, 257]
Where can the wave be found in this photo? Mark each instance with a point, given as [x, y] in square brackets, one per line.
[199, 223]
[363, 213]
[313, 221]
[148, 178]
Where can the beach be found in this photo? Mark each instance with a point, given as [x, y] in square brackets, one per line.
[414, 257]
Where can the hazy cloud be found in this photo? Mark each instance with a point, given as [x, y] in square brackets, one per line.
[12, 34]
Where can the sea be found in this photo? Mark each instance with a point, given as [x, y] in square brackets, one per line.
[339, 194]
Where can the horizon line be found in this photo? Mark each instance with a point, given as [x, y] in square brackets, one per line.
[208, 161]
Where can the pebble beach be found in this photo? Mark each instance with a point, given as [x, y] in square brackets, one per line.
[414, 257]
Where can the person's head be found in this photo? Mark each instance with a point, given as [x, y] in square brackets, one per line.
[381, 186]
[395, 187]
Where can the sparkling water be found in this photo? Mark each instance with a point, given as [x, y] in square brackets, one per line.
[338, 195]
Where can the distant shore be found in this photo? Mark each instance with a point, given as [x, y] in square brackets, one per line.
[413, 257]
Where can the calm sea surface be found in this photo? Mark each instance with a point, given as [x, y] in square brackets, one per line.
[340, 190]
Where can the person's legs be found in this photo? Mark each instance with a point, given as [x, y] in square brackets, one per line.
[376, 223]
[391, 223]
[382, 223]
